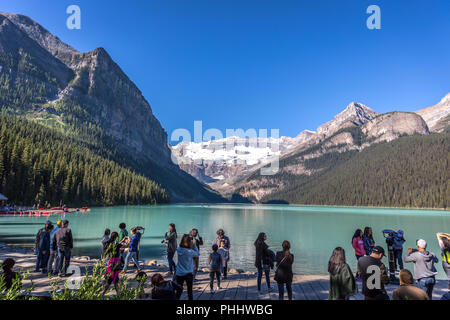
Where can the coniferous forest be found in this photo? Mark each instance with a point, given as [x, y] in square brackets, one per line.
[411, 171]
[43, 164]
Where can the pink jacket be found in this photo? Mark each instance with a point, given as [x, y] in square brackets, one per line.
[358, 245]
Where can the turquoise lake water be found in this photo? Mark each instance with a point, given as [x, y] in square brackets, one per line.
[314, 231]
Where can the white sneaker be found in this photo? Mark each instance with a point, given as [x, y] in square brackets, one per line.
[219, 288]
[211, 291]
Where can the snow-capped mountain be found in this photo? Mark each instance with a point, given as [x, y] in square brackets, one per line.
[437, 117]
[221, 159]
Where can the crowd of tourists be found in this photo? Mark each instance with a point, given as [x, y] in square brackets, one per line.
[374, 275]
[54, 244]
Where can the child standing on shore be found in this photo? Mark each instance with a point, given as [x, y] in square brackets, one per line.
[215, 267]
[225, 254]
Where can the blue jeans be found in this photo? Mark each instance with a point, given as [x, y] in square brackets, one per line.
[52, 264]
[132, 256]
[266, 269]
[63, 256]
[172, 265]
[427, 285]
[41, 260]
[398, 258]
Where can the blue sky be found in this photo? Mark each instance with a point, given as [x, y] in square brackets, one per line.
[290, 65]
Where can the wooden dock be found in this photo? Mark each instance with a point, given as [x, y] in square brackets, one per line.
[304, 287]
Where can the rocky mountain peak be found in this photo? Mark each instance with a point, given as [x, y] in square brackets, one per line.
[437, 117]
[354, 114]
[39, 34]
[446, 99]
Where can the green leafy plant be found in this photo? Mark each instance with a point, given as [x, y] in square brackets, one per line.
[16, 290]
[92, 285]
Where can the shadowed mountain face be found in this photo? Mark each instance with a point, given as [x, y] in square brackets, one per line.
[87, 94]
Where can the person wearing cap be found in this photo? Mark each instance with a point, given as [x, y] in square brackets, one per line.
[424, 270]
[63, 240]
[52, 264]
[407, 290]
[399, 240]
[373, 288]
[42, 246]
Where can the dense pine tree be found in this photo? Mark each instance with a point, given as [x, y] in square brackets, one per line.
[411, 171]
[39, 163]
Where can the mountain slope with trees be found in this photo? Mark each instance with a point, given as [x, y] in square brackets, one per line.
[41, 164]
[411, 171]
[88, 98]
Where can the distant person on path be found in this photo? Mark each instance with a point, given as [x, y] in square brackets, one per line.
[63, 240]
[105, 240]
[8, 274]
[43, 247]
[262, 262]
[185, 267]
[358, 246]
[407, 290]
[225, 253]
[424, 269]
[342, 282]
[215, 266]
[163, 289]
[283, 273]
[170, 238]
[52, 265]
[369, 243]
[132, 250]
[373, 270]
[198, 241]
[444, 244]
[399, 240]
[222, 237]
[112, 253]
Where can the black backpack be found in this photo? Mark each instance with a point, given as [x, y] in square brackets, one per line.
[164, 292]
[270, 258]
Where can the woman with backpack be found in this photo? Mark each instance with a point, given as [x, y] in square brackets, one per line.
[444, 244]
[163, 289]
[342, 282]
[263, 260]
[283, 273]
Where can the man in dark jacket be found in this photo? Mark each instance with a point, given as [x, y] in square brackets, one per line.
[374, 275]
[198, 241]
[42, 247]
[64, 242]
